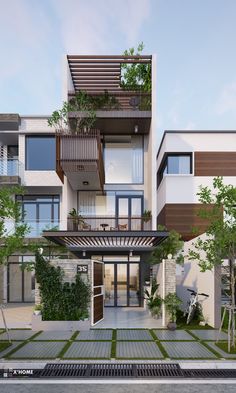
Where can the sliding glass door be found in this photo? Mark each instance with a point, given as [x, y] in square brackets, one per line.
[122, 284]
[129, 212]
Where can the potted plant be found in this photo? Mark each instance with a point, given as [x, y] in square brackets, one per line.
[76, 219]
[37, 309]
[172, 304]
[146, 217]
[154, 301]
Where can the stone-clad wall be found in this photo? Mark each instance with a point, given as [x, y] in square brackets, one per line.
[165, 274]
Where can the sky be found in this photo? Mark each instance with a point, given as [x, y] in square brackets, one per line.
[194, 41]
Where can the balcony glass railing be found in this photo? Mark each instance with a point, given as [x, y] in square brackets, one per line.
[35, 227]
[112, 223]
[11, 167]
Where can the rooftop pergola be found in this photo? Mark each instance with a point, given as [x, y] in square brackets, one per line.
[99, 73]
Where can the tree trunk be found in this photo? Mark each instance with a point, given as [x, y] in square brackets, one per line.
[232, 287]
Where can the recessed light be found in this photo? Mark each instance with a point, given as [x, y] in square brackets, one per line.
[85, 183]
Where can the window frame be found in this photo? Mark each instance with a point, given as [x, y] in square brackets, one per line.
[143, 164]
[26, 155]
[164, 164]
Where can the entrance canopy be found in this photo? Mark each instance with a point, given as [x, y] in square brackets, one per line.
[140, 241]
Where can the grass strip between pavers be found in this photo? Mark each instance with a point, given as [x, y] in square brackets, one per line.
[16, 349]
[4, 345]
[223, 345]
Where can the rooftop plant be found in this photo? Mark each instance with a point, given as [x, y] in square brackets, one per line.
[136, 76]
[84, 108]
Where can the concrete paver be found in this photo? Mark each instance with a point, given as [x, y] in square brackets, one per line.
[39, 350]
[54, 335]
[210, 335]
[187, 349]
[173, 335]
[88, 349]
[94, 335]
[138, 350]
[133, 334]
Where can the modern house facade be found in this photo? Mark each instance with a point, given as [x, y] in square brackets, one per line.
[102, 192]
[186, 160]
[105, 176]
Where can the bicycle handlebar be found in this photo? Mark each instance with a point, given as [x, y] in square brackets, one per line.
[195, 293]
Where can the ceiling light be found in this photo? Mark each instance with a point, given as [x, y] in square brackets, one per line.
[85, 183]
[136, 129]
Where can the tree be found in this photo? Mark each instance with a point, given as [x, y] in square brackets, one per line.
[171, 245]
[136, 76]
[219, 209]
[12, 230]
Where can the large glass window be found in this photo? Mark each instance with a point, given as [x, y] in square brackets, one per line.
[40, 153]
[124, 159]
[40, 212]
[174, 164]
[92, 203]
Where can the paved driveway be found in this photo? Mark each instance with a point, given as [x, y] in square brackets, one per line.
[18, 315]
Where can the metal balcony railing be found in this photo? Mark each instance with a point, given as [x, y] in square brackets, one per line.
[108, 223]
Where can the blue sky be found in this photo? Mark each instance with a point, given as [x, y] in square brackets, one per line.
[194, 41]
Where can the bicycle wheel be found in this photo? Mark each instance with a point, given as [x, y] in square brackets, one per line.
[191, 313]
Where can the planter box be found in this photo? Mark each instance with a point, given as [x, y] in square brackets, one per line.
[39, 324]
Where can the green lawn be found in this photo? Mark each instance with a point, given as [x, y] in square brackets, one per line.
[224, 347]
[4, 345]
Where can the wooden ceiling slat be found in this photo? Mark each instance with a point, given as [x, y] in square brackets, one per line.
[113, 61]
[78, 57]
[96, 79]
[92, 74]
[111, 67]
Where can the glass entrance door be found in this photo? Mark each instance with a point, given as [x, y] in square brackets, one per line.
[122, 285]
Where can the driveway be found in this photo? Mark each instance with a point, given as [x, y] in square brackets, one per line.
[18, 315]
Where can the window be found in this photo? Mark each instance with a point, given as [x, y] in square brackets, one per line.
[175, 164]
[40, 153]
[124, 159]
[41, 212]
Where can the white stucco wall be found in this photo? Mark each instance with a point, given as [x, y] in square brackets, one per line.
[184, 188]
[201, 141]
[208, 282]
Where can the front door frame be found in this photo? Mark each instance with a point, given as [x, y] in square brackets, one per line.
[128, 263]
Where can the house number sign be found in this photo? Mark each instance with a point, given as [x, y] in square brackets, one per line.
[82, 269]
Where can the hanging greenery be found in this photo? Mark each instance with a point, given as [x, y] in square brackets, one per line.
[84, 107]
[61, 301]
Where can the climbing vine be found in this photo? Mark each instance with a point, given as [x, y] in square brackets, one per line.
[61, 301]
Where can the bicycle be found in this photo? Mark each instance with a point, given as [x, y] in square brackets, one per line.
[193, 304]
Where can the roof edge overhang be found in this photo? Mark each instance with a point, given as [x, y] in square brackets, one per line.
[97, 241]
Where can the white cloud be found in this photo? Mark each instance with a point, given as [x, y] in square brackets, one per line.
[89, 26]
[190, 126]
[227, 99]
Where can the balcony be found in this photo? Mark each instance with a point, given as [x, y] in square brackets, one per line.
[108, 223]
[11, 171]
[128, 105]
[79, 157]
